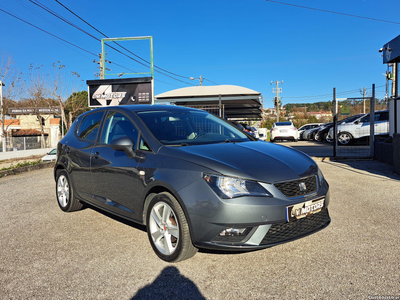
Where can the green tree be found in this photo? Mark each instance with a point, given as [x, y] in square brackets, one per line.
[76, 104]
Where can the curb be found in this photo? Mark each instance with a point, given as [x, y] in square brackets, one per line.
[16, 171]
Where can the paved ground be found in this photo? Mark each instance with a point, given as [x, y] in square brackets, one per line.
[48, 254]
[314, 149]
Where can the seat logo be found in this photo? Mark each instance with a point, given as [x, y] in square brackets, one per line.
[302, 187]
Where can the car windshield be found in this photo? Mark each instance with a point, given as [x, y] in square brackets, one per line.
[184, 128]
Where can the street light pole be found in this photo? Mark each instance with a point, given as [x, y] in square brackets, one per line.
[200, 79]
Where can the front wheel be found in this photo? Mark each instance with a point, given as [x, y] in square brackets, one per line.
[328, 138]
[168, 230]
[344, 138]
[65, 193]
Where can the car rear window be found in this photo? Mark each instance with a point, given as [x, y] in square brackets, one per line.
[283, 123]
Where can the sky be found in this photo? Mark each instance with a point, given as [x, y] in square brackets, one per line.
[228, 42]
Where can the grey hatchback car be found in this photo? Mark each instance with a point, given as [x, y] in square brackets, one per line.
[187, 176]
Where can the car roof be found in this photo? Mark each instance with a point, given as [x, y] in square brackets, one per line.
[146, 107]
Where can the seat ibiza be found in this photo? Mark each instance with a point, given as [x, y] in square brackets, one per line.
[185, 175]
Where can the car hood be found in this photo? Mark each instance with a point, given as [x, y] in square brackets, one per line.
[259, 160]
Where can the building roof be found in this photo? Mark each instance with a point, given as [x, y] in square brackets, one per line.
[27, 132]
[54, 121]
[9, 122]
[237, 101]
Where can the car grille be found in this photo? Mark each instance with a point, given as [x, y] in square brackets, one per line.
[292, 188]
[287, 231]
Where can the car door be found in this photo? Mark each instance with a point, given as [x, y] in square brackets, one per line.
[114, 175]
[362, 127]
[78, 152]
[381, 123]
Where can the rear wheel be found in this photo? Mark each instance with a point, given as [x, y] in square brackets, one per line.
[168, 230]
[65, 193]
[344, 138]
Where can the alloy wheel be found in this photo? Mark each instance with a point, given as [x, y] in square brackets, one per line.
[164, 228]
[62, 191]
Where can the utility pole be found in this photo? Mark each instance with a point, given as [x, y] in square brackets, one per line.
[200, 79]
[101, 63]
[3, 135]
[364, 101]
[277, 100]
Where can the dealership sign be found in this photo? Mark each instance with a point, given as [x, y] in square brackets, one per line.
[114, 92]
[35, 110]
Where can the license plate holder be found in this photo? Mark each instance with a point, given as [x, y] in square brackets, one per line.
[304, 209]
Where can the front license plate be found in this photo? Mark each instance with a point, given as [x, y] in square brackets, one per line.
[301, 210]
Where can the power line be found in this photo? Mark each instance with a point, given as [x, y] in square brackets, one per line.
[155, 66]
[42, 6]
[332, 12]
[65, 41]
[330, 95]
[53, 35]
[87, 23]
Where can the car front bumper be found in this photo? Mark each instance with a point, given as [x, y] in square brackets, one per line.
[249, 223]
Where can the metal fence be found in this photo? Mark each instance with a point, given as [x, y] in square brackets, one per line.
[24, 143]
[357, 123]
[212, 109]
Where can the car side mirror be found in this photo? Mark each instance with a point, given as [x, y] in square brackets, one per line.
[357, 122]
[124, 144]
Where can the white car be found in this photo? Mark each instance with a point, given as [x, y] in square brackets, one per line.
[284, 131]
[51, 156]
[307, 127]
[359, 128]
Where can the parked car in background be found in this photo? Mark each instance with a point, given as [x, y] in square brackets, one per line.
[255, 132]
[324, 132]
[358, 128]
[185, 174]
[309, 134]
[238, 125]
[284, 131]
[51, 156]
[306, 127]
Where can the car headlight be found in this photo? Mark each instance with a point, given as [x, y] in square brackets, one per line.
[230, 187]
[320, 177]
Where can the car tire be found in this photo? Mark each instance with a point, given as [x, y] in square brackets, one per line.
[168, 230]
[271, 140]
[345, 138]
[296, 140]
[327, 138]
[65, 193]
[317, 137]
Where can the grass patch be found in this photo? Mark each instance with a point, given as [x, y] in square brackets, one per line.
[21, 164]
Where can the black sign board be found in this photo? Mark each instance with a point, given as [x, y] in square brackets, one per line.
[34, 110]
[125, 91]
[391, 51]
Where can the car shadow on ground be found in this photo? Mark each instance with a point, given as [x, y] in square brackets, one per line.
[170, 284]
[366, 167]
[116, 218]
[144, 229]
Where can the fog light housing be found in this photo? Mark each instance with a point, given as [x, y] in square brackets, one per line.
[232, 232]
[233, 235]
